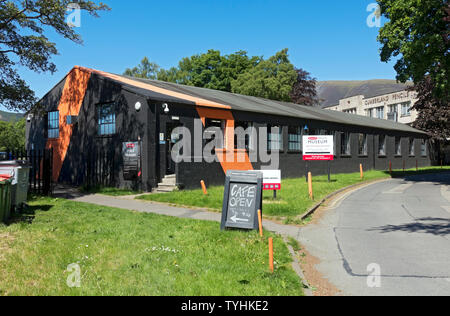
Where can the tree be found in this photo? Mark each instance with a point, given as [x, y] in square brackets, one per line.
[145, 70]
[12, 135]
[418, 33]
[433, 113]
[271, 79]
[304, 90]
[22, 42]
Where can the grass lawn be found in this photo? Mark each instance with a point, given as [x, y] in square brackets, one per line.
[293, 200]
[126, 253]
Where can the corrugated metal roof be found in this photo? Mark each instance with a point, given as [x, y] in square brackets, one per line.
[240, 102]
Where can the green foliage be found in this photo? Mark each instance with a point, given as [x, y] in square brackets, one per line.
[418, 34]
[271, 79]
[12, 135]
[22, 42]
[145, 69]
[274, 78]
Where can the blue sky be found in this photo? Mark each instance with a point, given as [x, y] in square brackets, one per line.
[328, 38]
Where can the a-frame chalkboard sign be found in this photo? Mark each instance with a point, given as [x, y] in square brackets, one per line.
[242, 199]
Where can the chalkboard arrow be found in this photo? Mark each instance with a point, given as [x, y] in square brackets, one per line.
[235, 219]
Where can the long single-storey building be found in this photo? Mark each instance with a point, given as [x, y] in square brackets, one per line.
[91, 111]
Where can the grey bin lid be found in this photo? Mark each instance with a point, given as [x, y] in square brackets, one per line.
[15, 163]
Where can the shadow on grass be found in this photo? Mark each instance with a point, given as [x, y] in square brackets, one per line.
[28, 214]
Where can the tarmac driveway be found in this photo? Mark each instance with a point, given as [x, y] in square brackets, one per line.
[398, 230]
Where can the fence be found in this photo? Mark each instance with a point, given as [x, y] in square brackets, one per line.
[41, 164]
[99, 170]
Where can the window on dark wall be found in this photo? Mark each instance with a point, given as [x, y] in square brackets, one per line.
[398, 146]
[412, 148]
[423, 148]
[215, 130]
[362, 145]
[106, 118]
[274, 137]
[295, 138]
[53, 124]
[345, 144]
[382, 145]
[243, 136]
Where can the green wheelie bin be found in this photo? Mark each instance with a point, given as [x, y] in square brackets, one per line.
[5, 198]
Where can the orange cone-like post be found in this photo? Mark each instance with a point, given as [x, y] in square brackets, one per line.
[310, 187]
[260, 223]
[361, 171]
[205, 191]
[271, 254]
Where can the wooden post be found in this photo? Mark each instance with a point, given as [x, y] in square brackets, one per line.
[260, 223]
[205, 191]
[361, 171]
[390, 168]
[271, 254]
[404, 165]
[417, 165]
[310, 187]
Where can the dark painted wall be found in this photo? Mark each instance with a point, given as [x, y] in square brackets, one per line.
[151, 120]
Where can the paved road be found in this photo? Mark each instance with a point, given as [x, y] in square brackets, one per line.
[402, 226]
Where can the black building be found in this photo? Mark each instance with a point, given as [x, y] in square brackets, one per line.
[91, 112]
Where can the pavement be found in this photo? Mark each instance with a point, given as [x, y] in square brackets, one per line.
[389, 238]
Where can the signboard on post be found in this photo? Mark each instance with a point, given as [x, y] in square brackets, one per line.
[271, 180]
[319, 148]
[242, 200]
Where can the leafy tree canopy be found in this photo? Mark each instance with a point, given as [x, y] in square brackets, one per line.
[22, 42]
[12, 135]
[274, 78]
[418, 34]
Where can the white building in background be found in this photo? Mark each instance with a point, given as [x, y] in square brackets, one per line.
[396, 106]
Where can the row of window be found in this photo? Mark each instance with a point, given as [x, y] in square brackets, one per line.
[106, 124]
[106, 121]
[362, 144]
[378, 112]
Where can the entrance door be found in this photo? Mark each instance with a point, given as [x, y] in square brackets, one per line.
[171, 140]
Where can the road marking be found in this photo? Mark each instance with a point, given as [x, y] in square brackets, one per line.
[399, 189]
[446, 207]
[445, 192]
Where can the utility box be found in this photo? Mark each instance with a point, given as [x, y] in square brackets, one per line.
[5, 198]
[19, 171]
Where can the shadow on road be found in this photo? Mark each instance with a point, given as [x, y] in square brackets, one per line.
[429, 225]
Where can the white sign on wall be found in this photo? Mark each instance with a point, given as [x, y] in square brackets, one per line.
[318, 147]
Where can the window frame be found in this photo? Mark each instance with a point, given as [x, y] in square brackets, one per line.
[398, 149]
[412, 147]
[364, 152]
[50, 119]
[382, 149]
[299, 142]
[113, 123]
[424, 148]
[348, 147]
[270, 141]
